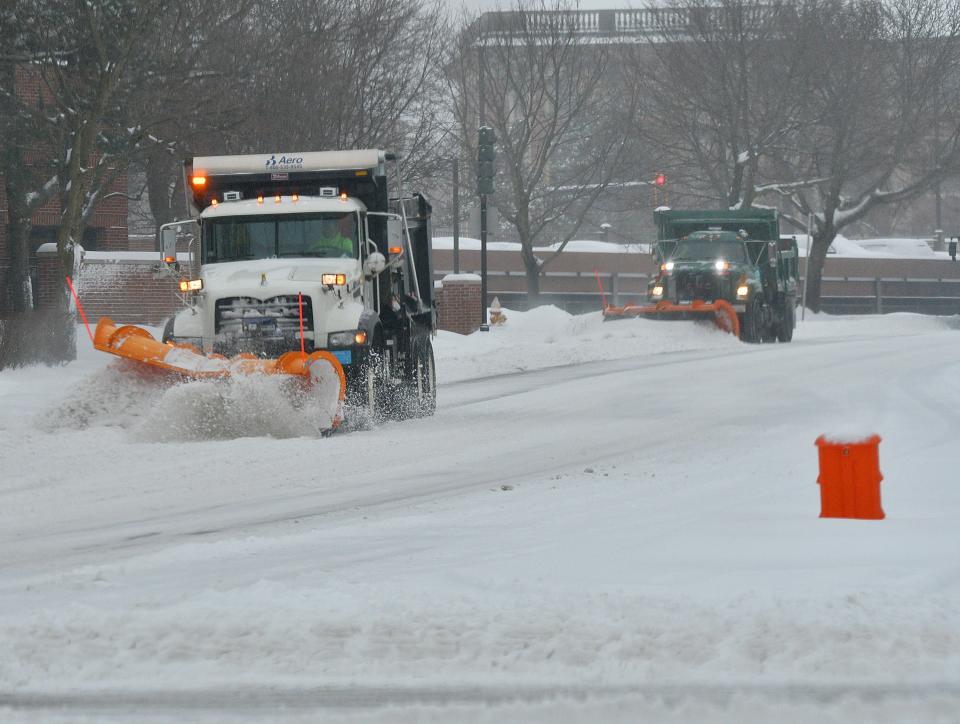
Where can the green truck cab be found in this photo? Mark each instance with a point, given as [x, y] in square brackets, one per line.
[737, 256]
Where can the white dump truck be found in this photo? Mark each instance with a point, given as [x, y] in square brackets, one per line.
[308, 252]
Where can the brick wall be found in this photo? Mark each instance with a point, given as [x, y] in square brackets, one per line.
[122, 286]
[459, 303]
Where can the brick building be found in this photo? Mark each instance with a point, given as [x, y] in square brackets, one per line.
[106, 229]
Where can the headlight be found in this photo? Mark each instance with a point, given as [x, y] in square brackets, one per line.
[743, 291]
[346, 339]
[338, 280]
[191, 285]
[721, 266]
[667, 267]
[657, 291]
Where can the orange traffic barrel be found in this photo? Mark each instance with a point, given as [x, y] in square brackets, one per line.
[850, 478]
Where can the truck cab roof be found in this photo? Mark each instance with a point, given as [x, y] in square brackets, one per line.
[269, 206]
[714, 235]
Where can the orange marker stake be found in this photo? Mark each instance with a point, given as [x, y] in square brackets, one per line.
[303, 348]
[603, 296]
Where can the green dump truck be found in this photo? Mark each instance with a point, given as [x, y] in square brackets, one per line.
[732, 266]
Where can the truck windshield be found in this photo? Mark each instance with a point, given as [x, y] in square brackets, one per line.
[697, 249]
[262, 237]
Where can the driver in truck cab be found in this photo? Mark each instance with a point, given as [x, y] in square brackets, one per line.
[337, 235]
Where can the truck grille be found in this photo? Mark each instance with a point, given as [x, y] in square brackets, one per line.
[704, 286]
[276, 317]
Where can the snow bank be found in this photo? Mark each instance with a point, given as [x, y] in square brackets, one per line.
[583, 245]
[549, 337]
[335, 634]
[877, 248]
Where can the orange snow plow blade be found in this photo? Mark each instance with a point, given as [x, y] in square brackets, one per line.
[721, 311]
[137, 344]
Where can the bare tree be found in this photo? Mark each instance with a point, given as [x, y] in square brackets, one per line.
[546, 89]
[825, 106]
[723, 84]
[884, 69]
[109, 74]
[349, 74]
[26, 146]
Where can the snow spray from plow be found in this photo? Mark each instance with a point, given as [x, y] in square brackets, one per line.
[318, 369]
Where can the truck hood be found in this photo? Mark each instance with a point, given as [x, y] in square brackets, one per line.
[699, 265]
[275, 272]
[707, 266]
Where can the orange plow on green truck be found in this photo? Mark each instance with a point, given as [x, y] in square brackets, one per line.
[728, 266]
[720, 311]
[319, 371]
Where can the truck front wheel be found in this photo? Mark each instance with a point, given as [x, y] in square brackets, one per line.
[751, 327]
[424, 382]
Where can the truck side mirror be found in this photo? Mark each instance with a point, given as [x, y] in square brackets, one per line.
[168, 245]
[772, 254]
[374, 264]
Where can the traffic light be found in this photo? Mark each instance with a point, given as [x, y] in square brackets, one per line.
[486, 158]
[659, 184]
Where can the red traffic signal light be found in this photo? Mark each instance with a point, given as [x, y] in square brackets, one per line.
[660, 180]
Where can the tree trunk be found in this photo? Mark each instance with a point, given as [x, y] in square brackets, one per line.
[19, 284]
[61, 322]
[735, 192]
[71, 231]
[817, 254]
[15, 187]
[748, 190]
[531, 267]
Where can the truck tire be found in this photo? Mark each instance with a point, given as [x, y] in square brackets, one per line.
[423, 386]
[751, 328]
[786, 323]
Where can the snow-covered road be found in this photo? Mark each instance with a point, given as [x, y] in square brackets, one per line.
[601, 521]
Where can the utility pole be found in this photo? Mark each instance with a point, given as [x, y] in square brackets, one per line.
[456, 216]
[486, 171]
[482, 186]
[938, 244]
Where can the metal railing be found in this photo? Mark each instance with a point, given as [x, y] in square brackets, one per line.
[634, 22]
[842, 295]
